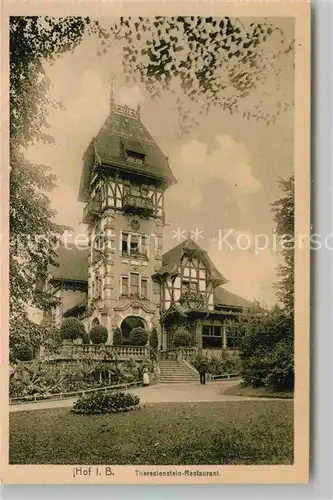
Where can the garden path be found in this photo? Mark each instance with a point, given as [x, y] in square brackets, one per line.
[161, 393]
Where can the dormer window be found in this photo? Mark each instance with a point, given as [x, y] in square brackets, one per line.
[134, 151]
[134, 157]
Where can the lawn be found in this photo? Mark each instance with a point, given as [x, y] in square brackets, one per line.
[246, 432]
[241, 390]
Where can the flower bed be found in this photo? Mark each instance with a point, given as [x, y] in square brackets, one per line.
[106, 403]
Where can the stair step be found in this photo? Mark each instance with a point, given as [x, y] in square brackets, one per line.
[177, 372]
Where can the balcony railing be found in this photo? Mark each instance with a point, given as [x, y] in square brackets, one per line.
[137, 204]
[98, 352]
[134, 255]
[91, 211]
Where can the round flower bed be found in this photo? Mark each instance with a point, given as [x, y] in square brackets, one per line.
[115, 402]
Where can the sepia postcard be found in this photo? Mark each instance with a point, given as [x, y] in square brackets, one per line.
[155, 222]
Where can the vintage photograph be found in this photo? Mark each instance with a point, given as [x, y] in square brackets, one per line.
[152, 242]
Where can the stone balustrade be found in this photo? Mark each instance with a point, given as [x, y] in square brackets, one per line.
[188, 353]
[103, 352]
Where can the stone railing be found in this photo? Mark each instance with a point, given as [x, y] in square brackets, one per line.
[188, 353]
[102, 352]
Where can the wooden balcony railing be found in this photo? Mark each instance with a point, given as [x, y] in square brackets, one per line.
[137, 204]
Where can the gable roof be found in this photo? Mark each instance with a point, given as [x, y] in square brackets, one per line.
[73, 264]
[224, 298]
[121, 131]
[172, 258]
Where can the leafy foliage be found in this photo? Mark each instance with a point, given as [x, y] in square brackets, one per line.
[106, 403]
[24, 352]
[214, 61]
[218, 366]
[117, 337]
[33, 233]
[139, 336]
[72, 328]
[192, 300]
[267, 349]
[154, 339]
[25, 339]
[182, 338]
[284, 214]
[41, 378]
[99, 334]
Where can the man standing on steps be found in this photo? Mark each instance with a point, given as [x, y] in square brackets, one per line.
[203, 368]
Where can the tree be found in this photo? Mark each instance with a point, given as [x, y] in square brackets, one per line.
[267, 348]
[154, 339]
[99, 334]
[33, 233]
[182, 338]
[24, 336]
[72, 328]
[117, 337]
[214, 61]
[139, 336]
[284, 215]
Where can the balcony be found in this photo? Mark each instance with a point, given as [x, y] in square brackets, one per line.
[137, 204]
[91, 211]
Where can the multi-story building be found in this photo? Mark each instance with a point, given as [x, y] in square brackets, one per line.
[123, 279]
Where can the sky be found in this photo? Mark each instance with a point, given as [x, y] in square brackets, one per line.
[227, 167]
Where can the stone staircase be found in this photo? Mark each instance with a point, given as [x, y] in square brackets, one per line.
[177, 372]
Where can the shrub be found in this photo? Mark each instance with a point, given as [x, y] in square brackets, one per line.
[218, 366]
[182, 338]
[106, 403]
[24, 332]
[23, 352]
[154, 339]
[139, 336]
[99, 334]
[281, 362]
[267, 350]
[117, 337]
[72, 329]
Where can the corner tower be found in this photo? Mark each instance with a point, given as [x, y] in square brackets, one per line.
[123, 180]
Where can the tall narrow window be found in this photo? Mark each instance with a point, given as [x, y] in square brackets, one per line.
[124, 285]
[134, 247]
[134, 285]
[144, 245]
[124, 244]
[144, 288]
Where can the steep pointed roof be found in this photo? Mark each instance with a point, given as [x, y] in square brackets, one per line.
[172, 258]
[123, 131]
